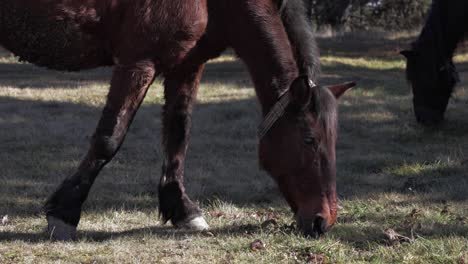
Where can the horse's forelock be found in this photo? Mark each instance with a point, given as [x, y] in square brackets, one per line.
[325, 109]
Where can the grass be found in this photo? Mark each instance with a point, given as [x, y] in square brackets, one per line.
[391, 172]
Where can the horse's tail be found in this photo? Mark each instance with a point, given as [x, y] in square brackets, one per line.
[299, 29]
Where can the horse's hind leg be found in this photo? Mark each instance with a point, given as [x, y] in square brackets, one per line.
[128, 88]
[174, 204]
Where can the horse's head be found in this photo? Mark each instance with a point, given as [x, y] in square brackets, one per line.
[432, 78]
[299, 153]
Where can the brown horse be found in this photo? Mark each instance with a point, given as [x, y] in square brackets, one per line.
[145, 38]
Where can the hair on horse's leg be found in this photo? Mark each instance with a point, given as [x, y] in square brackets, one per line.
[128, 89]
[180, 93]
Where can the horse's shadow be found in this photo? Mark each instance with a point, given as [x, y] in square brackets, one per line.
[357, 236]
[165, 232]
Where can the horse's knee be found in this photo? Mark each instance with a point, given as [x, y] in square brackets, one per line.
[105, 147]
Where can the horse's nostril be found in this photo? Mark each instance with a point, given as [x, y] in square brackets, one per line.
[428, 117]
[313, 227]
[429, 120]
[320, 225]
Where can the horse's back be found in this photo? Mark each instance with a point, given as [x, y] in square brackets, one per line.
[81, 34]
[54, 34]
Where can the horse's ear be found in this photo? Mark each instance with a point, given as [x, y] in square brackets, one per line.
[340, 89]
[407, 53]
[301, 93]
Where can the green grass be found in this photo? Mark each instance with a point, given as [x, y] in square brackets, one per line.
[391, 172]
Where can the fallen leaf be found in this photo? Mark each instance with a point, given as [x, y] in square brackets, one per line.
[415, 213]
[255, 215]
[269, 222]
[445, 210]
[257, 245]
[394, 237]
[315, 259]
[462, 260]
[208, 234]
[218, 214]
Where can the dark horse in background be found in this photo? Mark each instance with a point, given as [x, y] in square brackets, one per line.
[430, 68]
[142, 39]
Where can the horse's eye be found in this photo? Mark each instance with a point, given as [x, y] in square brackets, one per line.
[309, 137]
[309, 140]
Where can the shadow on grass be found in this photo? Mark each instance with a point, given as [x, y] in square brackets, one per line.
[161, 232]
[359, 237]
[43, 142]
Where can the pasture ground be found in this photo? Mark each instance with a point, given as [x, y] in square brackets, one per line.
[392, 173]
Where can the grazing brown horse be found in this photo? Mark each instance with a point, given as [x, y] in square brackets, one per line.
[145, 38]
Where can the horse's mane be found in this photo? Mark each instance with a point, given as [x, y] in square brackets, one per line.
[326, 111]
[307, 56]
[302, 37]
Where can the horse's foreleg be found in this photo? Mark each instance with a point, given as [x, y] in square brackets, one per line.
[174, 204]
[128, 88]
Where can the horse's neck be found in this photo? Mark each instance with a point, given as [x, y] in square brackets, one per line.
[446, 26]
[457, 23]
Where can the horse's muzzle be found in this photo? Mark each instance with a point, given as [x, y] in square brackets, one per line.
[313, 227]
[428, 117]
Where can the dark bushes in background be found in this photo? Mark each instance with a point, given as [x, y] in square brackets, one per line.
[368, 14]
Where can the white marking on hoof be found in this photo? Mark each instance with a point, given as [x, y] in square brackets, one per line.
[59, 230]
[197, 224]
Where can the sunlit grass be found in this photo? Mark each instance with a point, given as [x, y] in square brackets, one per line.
[364, 62]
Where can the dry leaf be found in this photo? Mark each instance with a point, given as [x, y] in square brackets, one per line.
[415, 213]
[315, 259]
[218, 214]
[257, 245]
[394, 237]
[269, 222]
[208, 234]
[445, 210]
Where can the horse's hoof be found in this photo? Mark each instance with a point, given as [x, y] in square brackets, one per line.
[58, 230]
[196, 224]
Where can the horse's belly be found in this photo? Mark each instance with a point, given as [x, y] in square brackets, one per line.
[59, 38]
